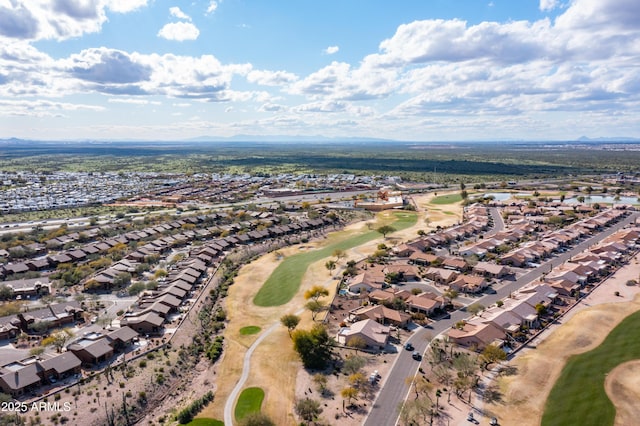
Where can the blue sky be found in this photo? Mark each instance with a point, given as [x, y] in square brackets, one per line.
[407, 70]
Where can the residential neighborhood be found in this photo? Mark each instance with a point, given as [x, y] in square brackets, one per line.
[111, 292]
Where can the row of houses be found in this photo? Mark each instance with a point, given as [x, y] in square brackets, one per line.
[40, 320]
[554, 241]
[154, 308]
[521, 309]
[20, 377]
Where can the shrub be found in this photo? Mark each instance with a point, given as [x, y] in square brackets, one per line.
[215, 350]
[187, 414]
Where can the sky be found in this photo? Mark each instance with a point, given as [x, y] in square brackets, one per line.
[412, 70]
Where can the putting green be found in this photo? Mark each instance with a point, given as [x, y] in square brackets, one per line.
[250, 329]
[284, 281]
[446, 199]
[579, 396]
[249, 401]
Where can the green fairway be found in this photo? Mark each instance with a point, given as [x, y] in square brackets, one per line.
[205, 422]
[285, 280]
[447, 199]
[250, 329]
[579, 397]
[249, 401]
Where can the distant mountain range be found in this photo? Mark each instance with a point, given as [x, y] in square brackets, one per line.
[607, 139]
[294, 139]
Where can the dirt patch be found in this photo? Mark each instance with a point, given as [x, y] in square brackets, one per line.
[583, 329]
[623, 388]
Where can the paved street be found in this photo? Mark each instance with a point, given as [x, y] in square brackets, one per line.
[394, 389]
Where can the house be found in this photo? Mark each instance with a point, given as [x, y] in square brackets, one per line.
[469, 284]
[425, 303]
[455, 264]
[60, 367]
[424, 259]
[440, 275]
[404, 250]
[514, 258]
[19, 378]
[387, 295]
[122, 337]
[565, 287]
[91, 351]
[491, 270]
[405, 272]
[146, 323]
[373, 333]
[29, 287]
[381, 314]
[505, 320]
[477, 335]
[365, 281]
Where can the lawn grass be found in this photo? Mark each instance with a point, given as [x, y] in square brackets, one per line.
[250, 329]
[447, 199]
[249, 401]
[284, 281]
[579, 397]
[205, 422]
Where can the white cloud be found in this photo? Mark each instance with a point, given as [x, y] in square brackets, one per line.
[125, 6]
[213, 6]
[42, 108]
[176, 12]
[133, 101]
[269, 107]
[548, 5]
[59, 19]
[271, 78]
[179, 31]
[339, 81]
[331, 50]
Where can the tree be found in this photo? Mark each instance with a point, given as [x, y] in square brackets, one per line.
[321, 381]
[37, 351]
[385, 229]
[339, 254]
[349, 393]
[257, 419]
[315, 307]
[122, 279]
[416, 411]
[357, 342]
[358, 380]
[290, 321]
[353, 364]
[475, 308]
[58, 339]
[308, 409]
[421, 386]
[6, 292]
[491, 354]
[330, 265]
[316, 292]
[450, 294]
[313, 346]
[136, 288]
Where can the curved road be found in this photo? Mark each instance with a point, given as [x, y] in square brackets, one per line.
[246, 368]
[395, 390]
